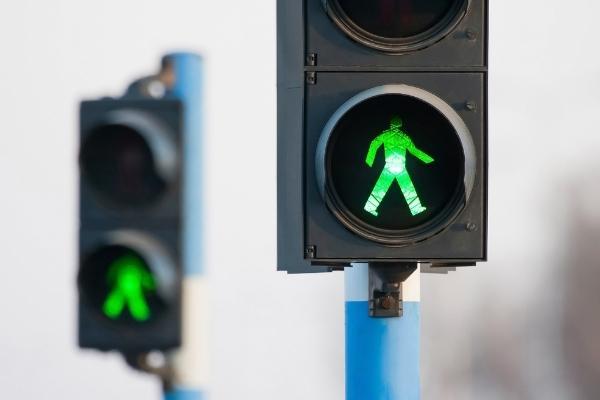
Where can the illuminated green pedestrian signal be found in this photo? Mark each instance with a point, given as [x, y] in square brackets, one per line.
[130, 281]
[395, 143]
[393, 166]
[126, 285]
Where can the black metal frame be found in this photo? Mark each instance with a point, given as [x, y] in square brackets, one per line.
[453, 242]
[312, 52]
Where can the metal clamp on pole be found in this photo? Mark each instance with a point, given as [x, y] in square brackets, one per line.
[154, 363]
[385, 288]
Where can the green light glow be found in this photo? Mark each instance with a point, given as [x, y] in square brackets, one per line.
[129, 281]
[395, 143]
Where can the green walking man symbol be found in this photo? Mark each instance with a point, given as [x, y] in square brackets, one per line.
[395, 143]
[129, 280]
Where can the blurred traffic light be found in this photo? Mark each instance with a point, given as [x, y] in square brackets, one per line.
[127, 280]
[382, 132]
[130, 240]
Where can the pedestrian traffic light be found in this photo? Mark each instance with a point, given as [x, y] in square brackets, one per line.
[130, 237]
[382, 132]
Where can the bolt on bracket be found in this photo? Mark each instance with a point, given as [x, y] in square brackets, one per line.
[385, 288]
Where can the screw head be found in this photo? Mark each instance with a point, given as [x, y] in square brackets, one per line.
[387, 302]
[471, 34]
[471, 105]
[471, 227]
[309, 252]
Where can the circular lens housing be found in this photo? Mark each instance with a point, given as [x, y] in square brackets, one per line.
[395, 164]
[129, 159]
[397, 26]
[127, 282]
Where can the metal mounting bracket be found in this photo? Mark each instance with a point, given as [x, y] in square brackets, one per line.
[163, 370]
[385, 288]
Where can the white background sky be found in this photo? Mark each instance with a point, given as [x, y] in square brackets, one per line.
[278, 336]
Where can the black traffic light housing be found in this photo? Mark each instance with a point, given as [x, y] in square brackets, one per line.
[130, 206]
[325, 61]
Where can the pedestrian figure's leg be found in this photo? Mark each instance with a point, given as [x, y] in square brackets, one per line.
[137, 305]
[377, 194]
[113, 306]
[410, 193]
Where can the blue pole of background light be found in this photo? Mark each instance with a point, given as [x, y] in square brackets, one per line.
[187, 87]
[382, 354]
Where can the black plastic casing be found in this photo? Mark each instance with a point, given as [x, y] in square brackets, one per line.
[161, 221]
[319, 68]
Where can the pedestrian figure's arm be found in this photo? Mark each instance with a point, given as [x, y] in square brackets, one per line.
[375, 145]
[426, 158]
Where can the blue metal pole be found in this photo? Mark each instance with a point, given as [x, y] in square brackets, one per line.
[382, 354]
[183, 394]
[189, 363]
[187, 87]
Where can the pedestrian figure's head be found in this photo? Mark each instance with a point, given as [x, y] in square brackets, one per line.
[396, 123]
